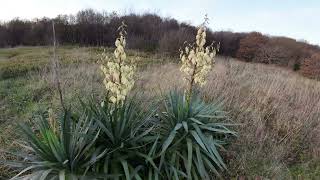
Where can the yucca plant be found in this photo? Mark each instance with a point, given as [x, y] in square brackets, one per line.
[193, 132]
[126, 134]
[125, 128]
[62, 148]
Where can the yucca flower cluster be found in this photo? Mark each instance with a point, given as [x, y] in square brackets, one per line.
[118, 71]
[197, 60]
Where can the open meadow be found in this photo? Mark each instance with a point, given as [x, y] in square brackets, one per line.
[276, 112]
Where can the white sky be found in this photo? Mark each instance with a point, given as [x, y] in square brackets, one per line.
[299, 19]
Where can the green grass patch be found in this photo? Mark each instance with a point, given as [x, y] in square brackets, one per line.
[309, 170]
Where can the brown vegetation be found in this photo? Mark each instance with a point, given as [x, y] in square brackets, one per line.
[249, 46]
[152, 33]
[282, 51]
[278, 113]
[277, 110]
[172, 41]
[311, 66]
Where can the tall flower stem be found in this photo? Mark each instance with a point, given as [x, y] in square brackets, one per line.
[56, 68]
[191, 85]
[118, 71]
[197, 61]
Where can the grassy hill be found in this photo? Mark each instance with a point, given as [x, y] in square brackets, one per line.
[277, 110]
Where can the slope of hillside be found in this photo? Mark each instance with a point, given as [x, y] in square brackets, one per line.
[278, 114]
[277, 110]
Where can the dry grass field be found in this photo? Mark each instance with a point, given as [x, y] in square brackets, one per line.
[277, 111]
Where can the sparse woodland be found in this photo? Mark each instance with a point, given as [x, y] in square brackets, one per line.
[152, 33]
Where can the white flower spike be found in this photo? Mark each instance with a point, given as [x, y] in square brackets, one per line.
[118, 71]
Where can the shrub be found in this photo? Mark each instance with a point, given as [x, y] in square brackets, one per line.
[281, 51]
[296, 67]
[249, 45]
[59, 148]
[192, 134]
[272, 54]
[311, 66]
[126, 136]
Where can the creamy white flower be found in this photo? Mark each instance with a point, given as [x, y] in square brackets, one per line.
[198, 60]
[118, 72]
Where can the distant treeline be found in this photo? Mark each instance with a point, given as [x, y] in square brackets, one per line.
[150, 32]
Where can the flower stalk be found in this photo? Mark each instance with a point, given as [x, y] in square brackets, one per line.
[118, 71]
[197, 60]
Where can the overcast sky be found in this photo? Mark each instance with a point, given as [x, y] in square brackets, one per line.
[299, 19]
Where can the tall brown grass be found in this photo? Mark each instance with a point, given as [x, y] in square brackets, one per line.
[278, 112]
